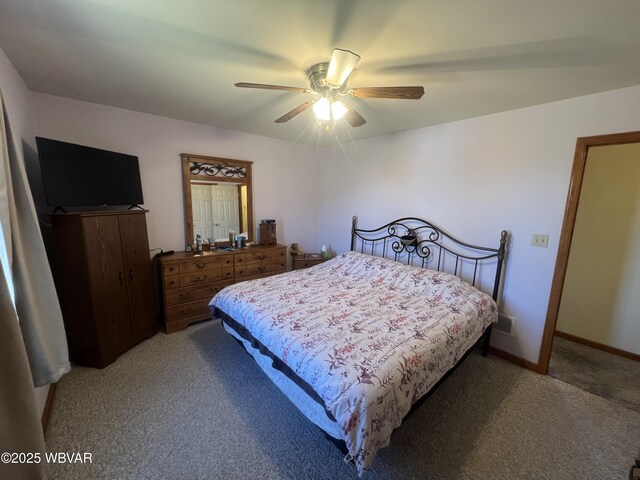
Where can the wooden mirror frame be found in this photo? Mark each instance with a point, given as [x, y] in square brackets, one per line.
[219, 170]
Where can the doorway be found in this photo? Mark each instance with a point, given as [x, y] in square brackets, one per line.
[567, 235]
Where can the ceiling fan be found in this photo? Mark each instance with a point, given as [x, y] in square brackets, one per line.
[328, 82]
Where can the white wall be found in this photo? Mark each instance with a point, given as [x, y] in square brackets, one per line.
[16, 98]
[474, 178]
[600, 299]
[285, 183]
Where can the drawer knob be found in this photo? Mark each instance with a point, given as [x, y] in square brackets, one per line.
[201, 265]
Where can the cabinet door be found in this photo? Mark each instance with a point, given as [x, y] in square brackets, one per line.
[135, 251]
[107, 283]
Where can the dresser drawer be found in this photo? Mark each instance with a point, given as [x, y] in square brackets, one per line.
[182, 295]
[259, 267]
[206, 277]
[172, 268]
[307, 263]
[172, 281]
[261, 275]
[196, 264]
[207, 292]
[186, 310]
[178, 296]
[200, 265]
[265, 255]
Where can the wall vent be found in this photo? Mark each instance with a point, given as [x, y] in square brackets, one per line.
[506, 324]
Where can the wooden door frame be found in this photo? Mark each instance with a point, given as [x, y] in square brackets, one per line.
[562, 259]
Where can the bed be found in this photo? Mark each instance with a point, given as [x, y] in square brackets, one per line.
[356, 342]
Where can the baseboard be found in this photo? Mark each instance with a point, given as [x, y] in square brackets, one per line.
[598, 346]
[510, 357]
[47, 406]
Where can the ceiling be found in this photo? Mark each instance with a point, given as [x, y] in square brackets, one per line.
[180, 59]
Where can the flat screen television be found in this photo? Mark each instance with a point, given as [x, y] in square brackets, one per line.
[80, 176]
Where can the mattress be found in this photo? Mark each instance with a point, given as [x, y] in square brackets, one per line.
[365, 337]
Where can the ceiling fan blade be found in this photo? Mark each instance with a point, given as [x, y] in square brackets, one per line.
[299, 109]
[340, 67]
[272, 87]
[354, 118]
[407, 93]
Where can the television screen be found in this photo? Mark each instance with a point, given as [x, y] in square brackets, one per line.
[79, 176]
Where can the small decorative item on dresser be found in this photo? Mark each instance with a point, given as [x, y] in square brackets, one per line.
[294, 249]
[268, 234]
[198, 244]
[324, 253]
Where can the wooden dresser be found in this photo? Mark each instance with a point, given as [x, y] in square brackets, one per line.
[305, 260]
[190, 281]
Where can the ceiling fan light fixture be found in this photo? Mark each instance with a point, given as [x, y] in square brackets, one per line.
[338, 109]
[322, 109]
[327, 110]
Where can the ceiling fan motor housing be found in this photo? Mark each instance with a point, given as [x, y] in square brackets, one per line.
[318, 80]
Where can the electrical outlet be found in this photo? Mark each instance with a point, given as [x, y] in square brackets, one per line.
[540, 240]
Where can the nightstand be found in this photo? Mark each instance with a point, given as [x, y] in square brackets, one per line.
[305, 260]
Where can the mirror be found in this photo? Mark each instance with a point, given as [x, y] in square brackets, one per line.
[217, 197]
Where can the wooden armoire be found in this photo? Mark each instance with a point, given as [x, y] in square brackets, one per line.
[102, 271]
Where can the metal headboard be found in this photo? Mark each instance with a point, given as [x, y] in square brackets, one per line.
[425, 244]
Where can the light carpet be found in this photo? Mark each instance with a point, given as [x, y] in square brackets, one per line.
[194, 405]
[601, 373]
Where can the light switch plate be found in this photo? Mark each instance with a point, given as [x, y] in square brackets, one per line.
[540, 240]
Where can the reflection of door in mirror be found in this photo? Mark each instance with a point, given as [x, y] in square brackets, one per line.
[216, 209]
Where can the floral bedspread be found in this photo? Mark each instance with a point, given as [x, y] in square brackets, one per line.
[370, 335]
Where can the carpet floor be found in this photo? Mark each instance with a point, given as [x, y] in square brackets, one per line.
[601, 373]
[194, 405]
